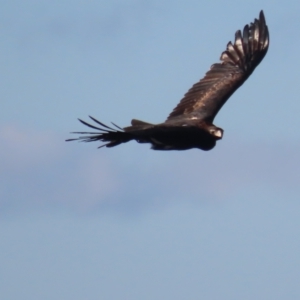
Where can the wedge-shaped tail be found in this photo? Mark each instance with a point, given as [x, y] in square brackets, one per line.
[110, 136]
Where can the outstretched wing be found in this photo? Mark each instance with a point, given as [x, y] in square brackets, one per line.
[206, 97]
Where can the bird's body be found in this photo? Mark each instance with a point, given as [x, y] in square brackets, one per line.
[190, 124]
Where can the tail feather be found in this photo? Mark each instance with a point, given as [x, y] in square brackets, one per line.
[137, 125]
[135, 122]
[111, 136]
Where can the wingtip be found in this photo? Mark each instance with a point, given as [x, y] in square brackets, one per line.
[262, 18]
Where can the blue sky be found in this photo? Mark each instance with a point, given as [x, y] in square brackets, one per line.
[131, 223]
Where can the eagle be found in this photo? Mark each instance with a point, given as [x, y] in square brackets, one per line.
[190, 124]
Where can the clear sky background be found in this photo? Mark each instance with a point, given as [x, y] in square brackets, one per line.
[131, 223]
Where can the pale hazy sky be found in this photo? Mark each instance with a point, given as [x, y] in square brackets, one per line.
[131, 223]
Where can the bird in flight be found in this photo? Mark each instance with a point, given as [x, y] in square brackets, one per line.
[190, 124]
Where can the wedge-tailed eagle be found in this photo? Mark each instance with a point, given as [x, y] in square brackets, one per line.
[190, 124]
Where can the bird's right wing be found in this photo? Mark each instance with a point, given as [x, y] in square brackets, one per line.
[238, 61]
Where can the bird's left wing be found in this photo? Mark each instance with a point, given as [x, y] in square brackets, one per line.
[238, 61]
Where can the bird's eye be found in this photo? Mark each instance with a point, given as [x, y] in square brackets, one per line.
[218, 133]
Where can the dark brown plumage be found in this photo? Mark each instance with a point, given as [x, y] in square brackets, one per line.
[190, 124]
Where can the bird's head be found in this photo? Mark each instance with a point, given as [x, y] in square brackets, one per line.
[216, 132]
